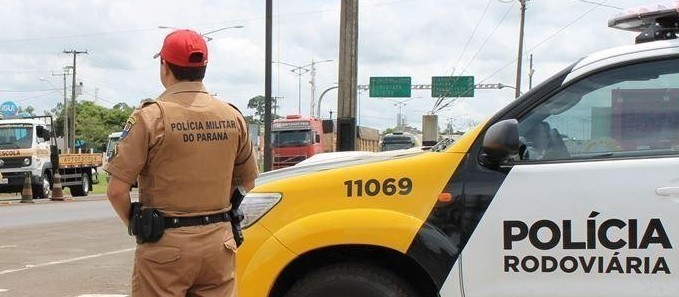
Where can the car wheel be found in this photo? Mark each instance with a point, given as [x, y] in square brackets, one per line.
[351, 279]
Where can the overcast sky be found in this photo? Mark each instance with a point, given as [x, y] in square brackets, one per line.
[416, 38]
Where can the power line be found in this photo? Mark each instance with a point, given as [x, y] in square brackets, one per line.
[437, 105]
[504, 17]
[564, 27]
[36, 96]
[464, 49]
[599, 4]
[30, 91]
[543, 41]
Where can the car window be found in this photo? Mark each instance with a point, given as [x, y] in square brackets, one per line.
[628, 111]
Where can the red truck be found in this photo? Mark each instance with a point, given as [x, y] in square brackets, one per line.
[639, 113]
[296, 138]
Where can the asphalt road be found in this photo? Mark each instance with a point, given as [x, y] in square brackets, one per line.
[71, 249]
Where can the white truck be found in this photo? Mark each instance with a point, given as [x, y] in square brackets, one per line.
[111, 144]
[28, 147]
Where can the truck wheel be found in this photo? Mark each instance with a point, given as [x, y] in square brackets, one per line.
[43, 189]
[83, 189]
[351, 279]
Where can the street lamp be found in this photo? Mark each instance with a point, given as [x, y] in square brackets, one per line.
[400, 104]
[518, 92]
[206, 33]
[299, 71]
[320, 99]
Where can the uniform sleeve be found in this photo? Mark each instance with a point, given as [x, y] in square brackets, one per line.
[133, 146]
[245, 169]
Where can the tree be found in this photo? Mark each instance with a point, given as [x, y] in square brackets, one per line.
[94, 123]
[29, 110]
[258, 104]
[406, 128]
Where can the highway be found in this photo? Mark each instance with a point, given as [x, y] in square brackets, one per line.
[76, 248]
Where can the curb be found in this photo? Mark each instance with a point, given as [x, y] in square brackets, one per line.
[6, 202]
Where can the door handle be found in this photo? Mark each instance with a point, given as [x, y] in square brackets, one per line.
[667, 191]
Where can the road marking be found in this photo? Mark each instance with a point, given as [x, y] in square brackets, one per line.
[29, 266]
[3, 290]
[7, 246]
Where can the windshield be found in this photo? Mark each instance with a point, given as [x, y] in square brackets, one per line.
[291, 138]
[16, 136]
[396, 146]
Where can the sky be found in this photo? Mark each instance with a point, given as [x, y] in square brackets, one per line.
[415, 38]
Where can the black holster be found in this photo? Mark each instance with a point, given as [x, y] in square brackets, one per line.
[237, 215]
[146, 224]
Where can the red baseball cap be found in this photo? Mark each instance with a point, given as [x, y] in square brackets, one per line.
[184, 48]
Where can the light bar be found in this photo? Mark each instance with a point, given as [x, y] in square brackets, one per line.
[659, 23]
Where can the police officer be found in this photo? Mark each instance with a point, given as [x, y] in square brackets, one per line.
[188, 151]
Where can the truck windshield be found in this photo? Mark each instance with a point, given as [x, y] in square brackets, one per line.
[396, 146]
[111, 145]
[16, 136]
[291, 138]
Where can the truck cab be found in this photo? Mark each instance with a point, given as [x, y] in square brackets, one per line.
[399, 141]
[111, 144]
[295, 138]
[111, 148]
[25, 147]
[570, 190]
[28, 148]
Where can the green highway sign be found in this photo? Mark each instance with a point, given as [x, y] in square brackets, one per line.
[452, 86]
[395, 86]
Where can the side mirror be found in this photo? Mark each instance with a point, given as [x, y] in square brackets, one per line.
[42, 133]
[318, 138]
[500, 142]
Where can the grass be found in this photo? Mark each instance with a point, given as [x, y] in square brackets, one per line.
[100, 188]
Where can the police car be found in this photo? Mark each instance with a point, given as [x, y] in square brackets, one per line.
[571, 190]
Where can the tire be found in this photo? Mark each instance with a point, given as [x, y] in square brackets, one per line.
[351, 279]
[42, 190]
[83, 189]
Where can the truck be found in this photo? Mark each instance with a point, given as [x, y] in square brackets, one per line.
[296, 138]
[28, 148]
[399, 140]
[111, 146]
[111, 143]
[555, 194]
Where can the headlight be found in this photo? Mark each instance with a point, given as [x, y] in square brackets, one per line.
[256, 205]
[27, 161]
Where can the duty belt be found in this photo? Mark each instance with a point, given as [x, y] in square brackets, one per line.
[176, 222]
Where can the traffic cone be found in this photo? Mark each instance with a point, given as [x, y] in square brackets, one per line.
[57, 191]
[27, 193]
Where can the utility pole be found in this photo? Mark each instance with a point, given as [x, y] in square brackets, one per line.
[312, 82]
[348, 68]
[65, 110]
[520, 55]
[75, 53]
[531, 71]
[268, 150]
[313, 87]
[299, 71]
